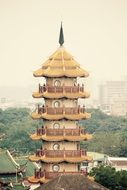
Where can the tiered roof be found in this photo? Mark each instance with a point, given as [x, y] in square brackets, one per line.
[61, 64]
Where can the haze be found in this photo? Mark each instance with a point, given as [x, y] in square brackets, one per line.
[95, 32]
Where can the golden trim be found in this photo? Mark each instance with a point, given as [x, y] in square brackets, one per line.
[61, 138]
[35, 158]
[79, 116]
[61, 95]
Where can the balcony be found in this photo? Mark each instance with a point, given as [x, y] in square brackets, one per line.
[72, 92]
[42, 176]
[57, 156]
[48, 134]
[53, 113]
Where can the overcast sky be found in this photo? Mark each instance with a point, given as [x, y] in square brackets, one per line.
[95, 33]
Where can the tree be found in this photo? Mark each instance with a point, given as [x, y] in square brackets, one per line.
[109, 177]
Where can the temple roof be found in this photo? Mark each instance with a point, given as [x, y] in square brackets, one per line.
[61, 64]
[30, 166]
[71, 182]
[7, 164]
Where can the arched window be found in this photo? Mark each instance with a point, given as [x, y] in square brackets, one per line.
[56, 104]
[56, 146]
[55, 167]
[57, 83]
[56, 125]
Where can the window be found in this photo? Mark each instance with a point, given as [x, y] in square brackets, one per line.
[56, 147]
[56, 125]
[56, 168]
[56, 104]
[57, 83]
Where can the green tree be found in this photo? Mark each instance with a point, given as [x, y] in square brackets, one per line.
[110, 178]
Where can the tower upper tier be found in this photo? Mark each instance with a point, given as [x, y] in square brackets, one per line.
[61, 64]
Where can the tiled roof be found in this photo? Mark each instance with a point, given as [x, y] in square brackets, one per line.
[7, 163]
[61, 64]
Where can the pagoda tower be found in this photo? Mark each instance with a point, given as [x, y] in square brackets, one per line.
[60, 114]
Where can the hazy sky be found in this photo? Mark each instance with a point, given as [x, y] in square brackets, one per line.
[95, 33]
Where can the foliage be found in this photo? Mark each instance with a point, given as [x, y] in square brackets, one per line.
[109, 132]
[110, 178]
[17, 125]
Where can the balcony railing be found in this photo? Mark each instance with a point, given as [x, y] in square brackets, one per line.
[50, 175]
[60, 132]
[60, 153]
[61, 89]
[60, 110]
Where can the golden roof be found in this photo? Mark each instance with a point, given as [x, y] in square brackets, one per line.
[79, 116]
[61, 138]
[32, 179]
[45, 159]
[61, 64]
[61, 95]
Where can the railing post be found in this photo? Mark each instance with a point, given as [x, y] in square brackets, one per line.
[63, 130]
[83, 108]
[82, 87]
[35, 173]
[46, 130]
[64, 109]
[79, 109]
[64, 152]
[80, 131]
[39, 88]
[38, 109]
[64, 88]
[78, 87]
[46, 109]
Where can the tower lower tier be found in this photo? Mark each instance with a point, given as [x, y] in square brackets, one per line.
[45, 174]
[52, 113]
[70, 134]
[57, 156]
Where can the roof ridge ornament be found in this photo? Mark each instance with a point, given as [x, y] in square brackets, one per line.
[61, 36]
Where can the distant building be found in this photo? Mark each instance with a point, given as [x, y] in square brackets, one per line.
[98, 158]
[119, 163]
[113, 97]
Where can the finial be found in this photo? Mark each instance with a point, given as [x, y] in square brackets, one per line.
[61, 36]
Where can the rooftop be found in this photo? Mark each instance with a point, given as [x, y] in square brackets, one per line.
[69, 182]
[7, 163]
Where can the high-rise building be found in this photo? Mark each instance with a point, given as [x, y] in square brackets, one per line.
[113, 97]
[60, 131]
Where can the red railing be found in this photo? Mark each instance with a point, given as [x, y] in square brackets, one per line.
[61, 89]
[60, 153]
[60, 132]
[60, 110]
[50, 175]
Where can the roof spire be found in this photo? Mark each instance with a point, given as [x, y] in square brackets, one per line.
[61, 36]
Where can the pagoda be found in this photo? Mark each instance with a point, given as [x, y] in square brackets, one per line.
[60, 114]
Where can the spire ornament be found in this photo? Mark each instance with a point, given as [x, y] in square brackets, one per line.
[61, 36]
